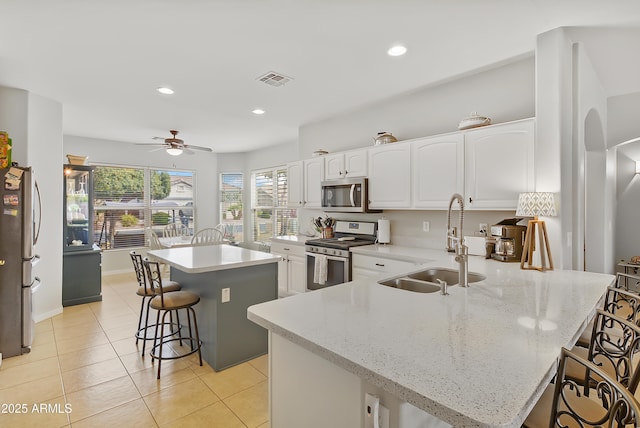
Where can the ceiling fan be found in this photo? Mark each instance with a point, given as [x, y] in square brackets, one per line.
[175, 146]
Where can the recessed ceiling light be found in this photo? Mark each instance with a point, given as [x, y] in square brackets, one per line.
[258, 111]
[397, 50]
[164, 90]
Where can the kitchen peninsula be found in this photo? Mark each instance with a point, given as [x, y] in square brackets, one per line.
[478, 357]
[228, 280]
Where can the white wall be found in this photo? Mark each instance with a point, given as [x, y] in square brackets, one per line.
[628, 202]
[504, 93]
[204, 164]
[35, 126]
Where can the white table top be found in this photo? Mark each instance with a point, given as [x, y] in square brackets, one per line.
[175, 241]
[208, 258]
[480, 356]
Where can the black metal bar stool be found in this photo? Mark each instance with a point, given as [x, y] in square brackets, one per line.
[146, 291]
[166, 303]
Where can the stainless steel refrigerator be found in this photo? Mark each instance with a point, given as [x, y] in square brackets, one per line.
[19, 227]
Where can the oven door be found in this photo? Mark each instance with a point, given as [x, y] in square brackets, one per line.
[337, 271]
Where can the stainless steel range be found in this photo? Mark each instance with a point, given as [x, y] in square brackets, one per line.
[329, 260]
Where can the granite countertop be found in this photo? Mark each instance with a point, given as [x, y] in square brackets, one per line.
[480, 356]
[208, 258]
[395, 252]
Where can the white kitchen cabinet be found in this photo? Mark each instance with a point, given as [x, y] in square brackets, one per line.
[295, 184]
[313, 176]
[363, 266]
[292, 269]
[348, 164]
[390, 176]
[499, 162]
[437, 168]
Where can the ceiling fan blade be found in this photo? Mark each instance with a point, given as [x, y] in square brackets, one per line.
[151, 144]
[206, 149]
[157, 149]
[157, 138]
[187, 151]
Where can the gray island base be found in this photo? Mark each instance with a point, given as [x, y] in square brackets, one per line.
[251, 277]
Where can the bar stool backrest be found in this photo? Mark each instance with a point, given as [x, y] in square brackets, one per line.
[154, 277]
[623, 303]
[141, 276]
[615, 343]
[612, 406]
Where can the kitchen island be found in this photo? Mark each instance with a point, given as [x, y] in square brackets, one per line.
[478, 357]
[228, 280]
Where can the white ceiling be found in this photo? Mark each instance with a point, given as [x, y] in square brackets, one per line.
[103, 59]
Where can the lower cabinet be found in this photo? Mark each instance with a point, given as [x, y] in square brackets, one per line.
[292, 269]
[364, 266]
[81, 277]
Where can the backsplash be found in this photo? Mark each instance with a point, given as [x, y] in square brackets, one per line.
[407, 226]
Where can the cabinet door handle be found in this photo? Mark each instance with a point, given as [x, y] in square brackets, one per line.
[380, 264]
[286, 249]
[340, 172]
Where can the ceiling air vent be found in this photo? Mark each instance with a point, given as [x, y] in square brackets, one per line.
[274, 79]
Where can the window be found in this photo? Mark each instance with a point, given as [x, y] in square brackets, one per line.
[231, 208]
[129, 199]
[269, 213]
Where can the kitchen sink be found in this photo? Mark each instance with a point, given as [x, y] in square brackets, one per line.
[450, 276]
[411, 285]
[426, 281]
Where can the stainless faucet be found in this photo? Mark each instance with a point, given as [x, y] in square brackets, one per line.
[461, 250]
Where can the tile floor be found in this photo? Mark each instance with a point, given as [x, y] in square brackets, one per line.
[87, 360]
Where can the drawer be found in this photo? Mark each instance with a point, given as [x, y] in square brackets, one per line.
[282, 249]
[380, 264]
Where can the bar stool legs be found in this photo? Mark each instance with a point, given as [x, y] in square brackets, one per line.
[159, 341]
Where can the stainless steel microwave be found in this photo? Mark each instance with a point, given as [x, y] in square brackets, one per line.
[350, 195]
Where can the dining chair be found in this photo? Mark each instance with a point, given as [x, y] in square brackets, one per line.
[175, 230]
[208, 236]
[616, 357]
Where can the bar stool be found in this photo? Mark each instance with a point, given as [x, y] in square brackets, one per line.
[167, 303]
[147, 293]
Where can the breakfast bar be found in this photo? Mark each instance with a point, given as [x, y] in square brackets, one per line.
[478, 357]
[228, 280]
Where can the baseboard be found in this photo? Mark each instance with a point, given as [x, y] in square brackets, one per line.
[47, 315]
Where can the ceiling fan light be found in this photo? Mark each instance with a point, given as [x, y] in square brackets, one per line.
[174, 151]
[397, 50]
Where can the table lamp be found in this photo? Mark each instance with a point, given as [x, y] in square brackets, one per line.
[534, 204]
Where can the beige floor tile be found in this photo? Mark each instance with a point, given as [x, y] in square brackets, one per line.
[134, 362]
[42, 337]
[251, 405]
[44, 325]
[50, 413]
[265, 425]
[93, 374]
[180, 400]
[70, 331]
[127, 321]
[96, 399]
[132, 414]
[147, 380]
[217, 415]
[128, 346]
[120, 333]
[262, 364]
[86, 357]
[73, 315]
[78, 343]
[28, 372]
[35, 391]
[37, 353]
[233, 380]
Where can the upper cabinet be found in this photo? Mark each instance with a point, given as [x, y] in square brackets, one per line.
[343, 165]
[390, 176]
[295, 184]
[437, 168]
[313, 170]
[499, 164]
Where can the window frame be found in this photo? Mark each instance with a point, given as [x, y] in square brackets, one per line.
[279, 203]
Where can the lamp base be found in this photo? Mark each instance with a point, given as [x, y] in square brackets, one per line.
[526, 262]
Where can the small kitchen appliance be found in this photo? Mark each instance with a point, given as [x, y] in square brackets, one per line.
[329, 260]
[346, 195]
[509, 238]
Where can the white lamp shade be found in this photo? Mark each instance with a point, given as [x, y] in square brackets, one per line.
[532, 204]
[174, 151]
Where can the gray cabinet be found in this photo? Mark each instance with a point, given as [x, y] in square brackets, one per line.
[81, 276]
